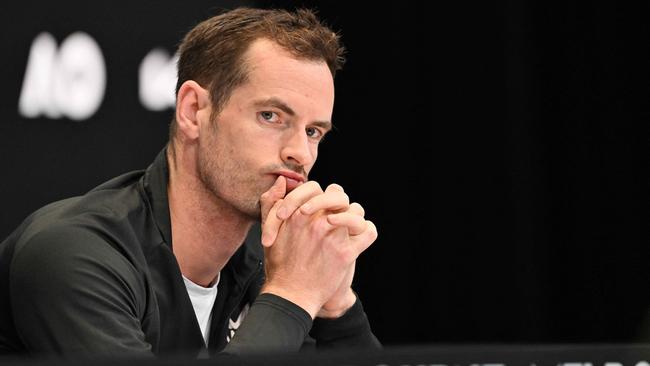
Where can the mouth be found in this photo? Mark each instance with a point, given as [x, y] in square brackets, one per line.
[293, 179]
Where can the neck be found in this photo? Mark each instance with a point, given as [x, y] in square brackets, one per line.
[206, 231]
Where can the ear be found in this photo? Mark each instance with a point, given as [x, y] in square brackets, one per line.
[192, 106]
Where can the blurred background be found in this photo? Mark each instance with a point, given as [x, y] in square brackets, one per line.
[501, 147]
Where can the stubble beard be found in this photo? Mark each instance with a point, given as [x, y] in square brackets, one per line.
[231, 183]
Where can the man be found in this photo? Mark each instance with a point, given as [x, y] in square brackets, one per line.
[170, 260]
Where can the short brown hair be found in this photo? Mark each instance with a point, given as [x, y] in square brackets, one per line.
[212, 52]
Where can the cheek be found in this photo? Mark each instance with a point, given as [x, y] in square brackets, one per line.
[239, 142]
[314, 155]
[255, 153]
[314, 152]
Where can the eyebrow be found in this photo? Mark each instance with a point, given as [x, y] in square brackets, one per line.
[279, 104]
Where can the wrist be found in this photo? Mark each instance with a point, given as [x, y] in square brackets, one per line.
[336, 309]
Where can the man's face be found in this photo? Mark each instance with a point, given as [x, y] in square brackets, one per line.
[270, 126]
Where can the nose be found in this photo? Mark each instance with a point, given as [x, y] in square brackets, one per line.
[297, 149]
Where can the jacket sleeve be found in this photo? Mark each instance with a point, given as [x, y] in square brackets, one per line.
[273, 324]
[277, 325]
[351, 330]
[73, 294]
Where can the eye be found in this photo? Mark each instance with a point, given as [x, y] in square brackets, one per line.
[314, 133]
[269, 116]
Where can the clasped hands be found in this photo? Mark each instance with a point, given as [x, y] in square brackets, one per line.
[311, 240]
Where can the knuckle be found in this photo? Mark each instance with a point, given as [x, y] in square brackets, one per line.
[349, 255]
[334, 187]
[313, 185]
[373, 236]
[342, 254]
[373, 230]
[356, 207]
[297, 218]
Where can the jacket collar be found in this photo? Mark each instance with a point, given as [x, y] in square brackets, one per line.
[155, 182]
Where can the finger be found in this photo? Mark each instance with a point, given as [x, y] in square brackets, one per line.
[356, 224]
[297, 197]
[366, 238]
[334, 187]
[356, 209]
[271, 226]
[332, 200]
[268, 198]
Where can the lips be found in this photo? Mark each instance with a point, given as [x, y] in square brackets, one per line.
[293, 179]
[292, 184]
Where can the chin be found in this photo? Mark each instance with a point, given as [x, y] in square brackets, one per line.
[251, 210]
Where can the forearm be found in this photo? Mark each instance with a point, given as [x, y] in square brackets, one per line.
[273, 324]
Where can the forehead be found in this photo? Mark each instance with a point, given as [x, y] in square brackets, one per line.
[274, 72]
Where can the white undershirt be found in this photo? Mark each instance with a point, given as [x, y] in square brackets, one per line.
[202, 301]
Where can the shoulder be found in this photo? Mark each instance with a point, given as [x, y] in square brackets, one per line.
[69, 265]
[107, 220]
[93, 233]
[68, 252]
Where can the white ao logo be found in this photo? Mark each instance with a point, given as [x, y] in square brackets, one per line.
[66, 82]
[71, 81]
[157, 80]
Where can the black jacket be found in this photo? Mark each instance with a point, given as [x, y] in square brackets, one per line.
[96, 275]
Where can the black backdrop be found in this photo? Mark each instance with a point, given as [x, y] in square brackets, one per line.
[501, 148]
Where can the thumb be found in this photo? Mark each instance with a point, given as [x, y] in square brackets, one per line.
[277, 191]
